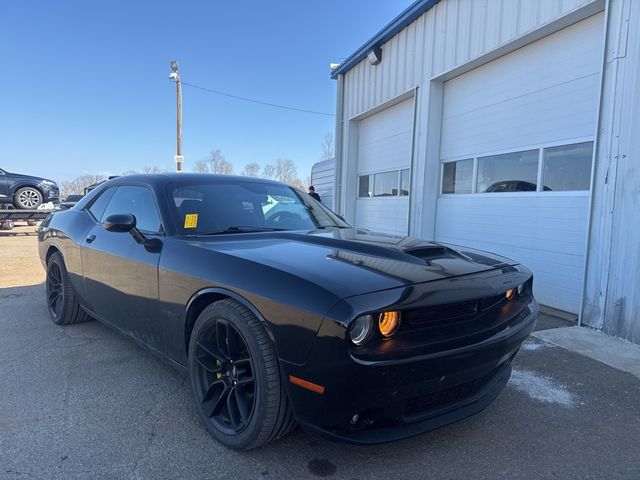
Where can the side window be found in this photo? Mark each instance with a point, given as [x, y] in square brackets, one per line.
[137, 201]
[99, 204]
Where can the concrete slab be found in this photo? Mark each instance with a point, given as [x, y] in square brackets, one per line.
[615, 352]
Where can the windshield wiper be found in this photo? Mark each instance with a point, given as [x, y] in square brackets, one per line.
[244, 229]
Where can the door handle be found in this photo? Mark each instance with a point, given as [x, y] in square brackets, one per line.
[90, 238]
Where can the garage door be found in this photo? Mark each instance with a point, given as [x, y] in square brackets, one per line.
[384, 158]
[516, 147]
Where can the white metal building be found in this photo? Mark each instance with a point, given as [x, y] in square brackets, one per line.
[323, 180]
[506, 126]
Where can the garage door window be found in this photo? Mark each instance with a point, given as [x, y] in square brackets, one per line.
[385, 184]
[509, 172]
[568, 167]
[457, 177]
[561, 168]
[396, 183]
[405, 182]
[365, 184]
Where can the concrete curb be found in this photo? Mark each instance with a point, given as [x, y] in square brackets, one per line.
[615, 352]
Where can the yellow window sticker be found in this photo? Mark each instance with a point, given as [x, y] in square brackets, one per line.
[191, 220]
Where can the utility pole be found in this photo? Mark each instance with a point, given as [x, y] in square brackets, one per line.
[175, 76]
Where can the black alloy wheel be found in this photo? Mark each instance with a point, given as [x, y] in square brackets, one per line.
[63, 306]
[55, 291]
[235, 377]
[224, 377]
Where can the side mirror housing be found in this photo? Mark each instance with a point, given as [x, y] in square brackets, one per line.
[125, 222]
[120, 222]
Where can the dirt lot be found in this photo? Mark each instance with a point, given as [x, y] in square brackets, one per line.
[19, 262]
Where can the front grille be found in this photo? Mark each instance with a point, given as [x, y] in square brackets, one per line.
[443, 314]
[448, 314]
[418, 406]
[489, 302]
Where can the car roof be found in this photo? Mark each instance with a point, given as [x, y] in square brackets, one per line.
[191, 178]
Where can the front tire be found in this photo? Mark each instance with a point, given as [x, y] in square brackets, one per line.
[27, 198]
[63, 306]
[235, 378]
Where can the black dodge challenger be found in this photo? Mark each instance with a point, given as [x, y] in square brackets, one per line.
[281, 313]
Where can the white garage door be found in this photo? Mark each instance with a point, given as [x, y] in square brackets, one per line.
[517, 149]
[384, 157]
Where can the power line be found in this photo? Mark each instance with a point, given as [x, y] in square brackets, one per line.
[260, 102]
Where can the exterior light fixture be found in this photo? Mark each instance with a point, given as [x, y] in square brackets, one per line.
[375, 56]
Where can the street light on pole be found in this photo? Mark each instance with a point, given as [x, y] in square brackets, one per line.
[175, 76]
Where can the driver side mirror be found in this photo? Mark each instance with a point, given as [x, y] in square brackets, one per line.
[122, 223]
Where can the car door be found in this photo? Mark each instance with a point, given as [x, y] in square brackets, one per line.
[121, 275]
[4, 186]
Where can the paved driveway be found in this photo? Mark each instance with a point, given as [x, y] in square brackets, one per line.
[84, 402]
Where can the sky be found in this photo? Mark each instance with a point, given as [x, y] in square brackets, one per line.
[84, 85]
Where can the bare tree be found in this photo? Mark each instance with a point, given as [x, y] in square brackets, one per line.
[214, 163]
[251, 170]
[154, 169]
[269, 171]
[78, 184]
[201, 166]
[328, 146]
[297, 183]
[286, 170]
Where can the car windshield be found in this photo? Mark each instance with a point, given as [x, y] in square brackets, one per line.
[222, 206]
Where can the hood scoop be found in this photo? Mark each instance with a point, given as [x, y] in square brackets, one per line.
[433, 252]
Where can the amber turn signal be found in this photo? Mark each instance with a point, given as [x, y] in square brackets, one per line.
[509, 294]
[388, 323]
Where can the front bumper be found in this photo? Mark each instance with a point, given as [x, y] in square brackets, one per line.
[374, 402]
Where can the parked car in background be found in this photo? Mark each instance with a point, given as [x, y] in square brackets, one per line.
[94, 185]
[281, 312]
[25, 191]
[513, 186]
[70, 201]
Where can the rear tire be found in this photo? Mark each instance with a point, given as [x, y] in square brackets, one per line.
[27, 198]
[235, 378]
[63, 306]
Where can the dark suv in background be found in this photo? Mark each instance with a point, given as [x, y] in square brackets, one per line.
[25, 191]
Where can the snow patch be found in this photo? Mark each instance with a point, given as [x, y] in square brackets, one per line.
[529, 346]
[541, 388]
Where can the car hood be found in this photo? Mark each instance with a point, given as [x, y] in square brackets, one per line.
[352, 262]
[28, 177]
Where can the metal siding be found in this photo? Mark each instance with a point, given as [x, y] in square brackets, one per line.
[447, 41]
[323, 180]
[612, 296]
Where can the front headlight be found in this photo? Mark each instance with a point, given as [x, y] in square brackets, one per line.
[361, 329]
[388, 323]
[48, 183]
[521, 290]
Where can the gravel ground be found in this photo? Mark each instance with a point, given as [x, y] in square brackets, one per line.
[84, 402]
[19, 262]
